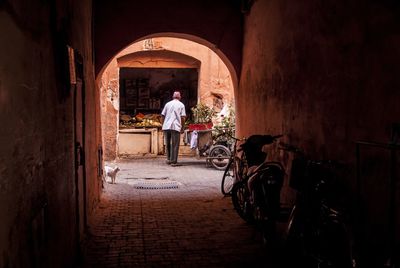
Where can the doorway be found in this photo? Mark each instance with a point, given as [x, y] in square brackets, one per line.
[146, 70]
[79, 138]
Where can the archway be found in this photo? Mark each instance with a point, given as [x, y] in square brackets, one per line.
[217, 79]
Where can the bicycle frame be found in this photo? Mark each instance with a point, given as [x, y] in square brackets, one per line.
[256, 193]
[316, 232]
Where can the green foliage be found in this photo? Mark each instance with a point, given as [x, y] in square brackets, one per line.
[202, 113]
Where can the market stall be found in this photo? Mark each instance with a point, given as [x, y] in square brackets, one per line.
[140, 135]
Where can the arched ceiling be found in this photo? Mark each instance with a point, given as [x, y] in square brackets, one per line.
[117, 24]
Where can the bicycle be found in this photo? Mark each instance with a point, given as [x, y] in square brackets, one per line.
[317, 234]
[256, 194]
[236, 167]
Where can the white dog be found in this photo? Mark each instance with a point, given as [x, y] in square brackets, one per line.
[111, 172]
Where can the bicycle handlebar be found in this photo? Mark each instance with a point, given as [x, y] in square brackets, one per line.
[228, 133]
[289, 147]
[261, 140]
[236, 139]
[328, 162]
[277, 136]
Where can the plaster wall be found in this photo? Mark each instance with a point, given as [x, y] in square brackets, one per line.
[325, 74]
[321, 79]
[214, 77]
[37, 184]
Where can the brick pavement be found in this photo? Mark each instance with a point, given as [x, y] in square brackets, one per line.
[189, 226]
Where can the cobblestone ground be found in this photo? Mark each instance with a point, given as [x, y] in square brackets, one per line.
[192, 225]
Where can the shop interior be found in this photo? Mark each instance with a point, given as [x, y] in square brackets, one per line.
[145, 91]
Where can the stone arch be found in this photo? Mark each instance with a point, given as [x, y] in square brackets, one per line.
[144, 53]
[192, 38]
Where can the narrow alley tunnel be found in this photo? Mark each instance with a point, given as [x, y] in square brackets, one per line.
[324, 74]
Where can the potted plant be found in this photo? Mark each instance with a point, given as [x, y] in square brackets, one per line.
[202, 115]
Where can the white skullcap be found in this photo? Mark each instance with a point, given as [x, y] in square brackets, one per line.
[177, 95]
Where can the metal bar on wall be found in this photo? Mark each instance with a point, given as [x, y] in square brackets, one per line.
[393, 148]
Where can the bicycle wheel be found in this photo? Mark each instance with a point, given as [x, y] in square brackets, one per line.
[240, 201]
[219, 156]
[325, 245]
[228, 179]
[264, 214]
[334, 246]
[294, 242]
[241, 167]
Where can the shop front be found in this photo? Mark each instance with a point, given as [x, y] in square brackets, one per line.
[143, 94]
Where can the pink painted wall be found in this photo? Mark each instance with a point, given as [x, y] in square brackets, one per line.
[321, 79]
[325, 74]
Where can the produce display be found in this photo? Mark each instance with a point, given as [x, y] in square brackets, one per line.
[140, 121]
[148, 123]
